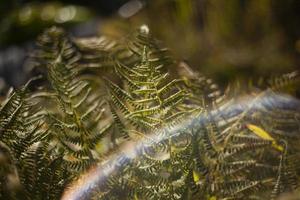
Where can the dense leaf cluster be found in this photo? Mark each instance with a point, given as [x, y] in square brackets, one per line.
[95, 94]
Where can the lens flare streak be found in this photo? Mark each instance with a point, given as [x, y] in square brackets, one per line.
[96, 177]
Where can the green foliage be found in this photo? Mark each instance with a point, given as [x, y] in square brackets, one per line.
[98, 93]
[32, 173]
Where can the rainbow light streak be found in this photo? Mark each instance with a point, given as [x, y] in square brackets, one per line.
[95, 177]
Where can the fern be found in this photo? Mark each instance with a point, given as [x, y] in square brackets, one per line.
[98, 95]
[24, 136]
[77, 125]
[149, 99]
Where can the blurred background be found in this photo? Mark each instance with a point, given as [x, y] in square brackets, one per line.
[225, 40]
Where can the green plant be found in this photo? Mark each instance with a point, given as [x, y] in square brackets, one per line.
[225, 146]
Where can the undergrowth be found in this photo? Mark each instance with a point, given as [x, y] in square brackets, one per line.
[94, 94]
